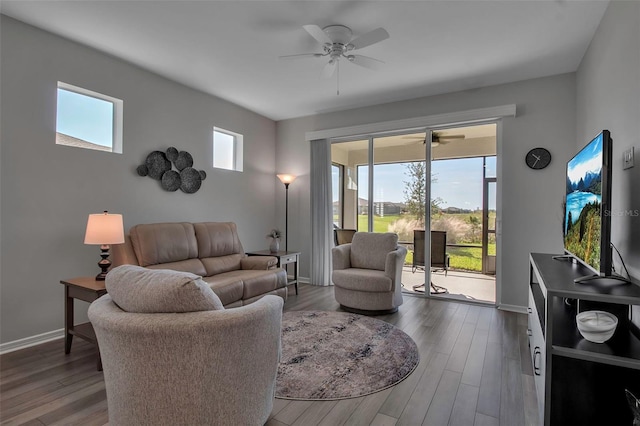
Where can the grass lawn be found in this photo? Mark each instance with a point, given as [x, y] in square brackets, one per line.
[380, 224]
[462, 258]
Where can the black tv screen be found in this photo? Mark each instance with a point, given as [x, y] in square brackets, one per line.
[587, 222]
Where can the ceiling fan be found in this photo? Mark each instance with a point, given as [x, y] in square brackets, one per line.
[437, 138]
[338, 43]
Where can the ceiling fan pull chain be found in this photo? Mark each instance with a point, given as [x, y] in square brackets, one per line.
[338, 79]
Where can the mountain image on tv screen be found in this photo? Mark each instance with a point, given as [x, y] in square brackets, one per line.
[582, 223]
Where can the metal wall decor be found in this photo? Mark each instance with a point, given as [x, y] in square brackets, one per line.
[158, 166]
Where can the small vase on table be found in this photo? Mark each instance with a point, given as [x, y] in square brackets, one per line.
[274, 247]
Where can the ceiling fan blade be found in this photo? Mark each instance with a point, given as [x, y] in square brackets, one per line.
[441, 137]
[317, 33]
[329, 69]
[372, 37]
[415, 142]
[301, 55]
[367, 62]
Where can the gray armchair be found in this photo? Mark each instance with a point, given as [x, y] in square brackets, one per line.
[367, 273]
[189, 366]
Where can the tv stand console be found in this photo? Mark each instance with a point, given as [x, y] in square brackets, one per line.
[579, 382]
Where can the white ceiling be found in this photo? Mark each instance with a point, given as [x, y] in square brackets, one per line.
[230, 49]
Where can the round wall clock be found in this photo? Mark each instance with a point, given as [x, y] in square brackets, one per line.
[538, 158]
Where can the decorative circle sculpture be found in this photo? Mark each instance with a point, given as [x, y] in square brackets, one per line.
[142, 170]
[157, 164]
[172, 154]
[171, 180]
[183, 161]
[191, 180]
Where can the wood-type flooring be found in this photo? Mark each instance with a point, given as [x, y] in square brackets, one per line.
[474, 370]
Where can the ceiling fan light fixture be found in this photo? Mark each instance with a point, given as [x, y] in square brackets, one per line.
[338, 34]
[337, 41]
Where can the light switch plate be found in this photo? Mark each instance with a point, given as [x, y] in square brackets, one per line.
[627, 159]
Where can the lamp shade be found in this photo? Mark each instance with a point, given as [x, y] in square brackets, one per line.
[286, 178]
[104, 228]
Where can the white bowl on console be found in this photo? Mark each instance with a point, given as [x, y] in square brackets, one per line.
[596, 326]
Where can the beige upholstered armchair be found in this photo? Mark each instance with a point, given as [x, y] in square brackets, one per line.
[172, 355]
[367, 273]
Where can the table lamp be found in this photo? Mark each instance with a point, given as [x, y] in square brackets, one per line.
[286, 179]
[104, 229]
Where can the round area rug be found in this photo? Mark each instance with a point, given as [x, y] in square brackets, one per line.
[337, 355]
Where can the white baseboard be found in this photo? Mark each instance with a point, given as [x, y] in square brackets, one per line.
[31, 341]
[513, 308]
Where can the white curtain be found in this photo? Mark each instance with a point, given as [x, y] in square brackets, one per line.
[321, 212]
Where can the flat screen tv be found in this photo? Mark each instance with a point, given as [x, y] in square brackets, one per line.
[587, 222]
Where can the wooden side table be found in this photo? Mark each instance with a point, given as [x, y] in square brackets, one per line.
[284, 258]
[81, 288]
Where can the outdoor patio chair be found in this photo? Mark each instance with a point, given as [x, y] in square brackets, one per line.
[439, 256]
[343, 236]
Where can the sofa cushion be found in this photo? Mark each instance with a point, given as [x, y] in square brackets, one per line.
[240, 285]
[217, 239]
[142, 290]
[369, 250]
[260, 282]
[227, 286]
[221, 264]
[157, 243]
[194, 266]
[367, 280]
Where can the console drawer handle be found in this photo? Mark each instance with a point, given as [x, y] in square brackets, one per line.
[536, 352]
[529, 332]
[530, 310]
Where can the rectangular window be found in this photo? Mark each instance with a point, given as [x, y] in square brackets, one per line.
[86, 119]
[227, 150]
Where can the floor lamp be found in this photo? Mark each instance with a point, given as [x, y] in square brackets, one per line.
[286, 179]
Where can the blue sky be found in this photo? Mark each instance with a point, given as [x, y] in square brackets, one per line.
[85, 117]
[589, 159]
[458, 182]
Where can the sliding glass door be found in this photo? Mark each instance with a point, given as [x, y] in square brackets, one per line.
[382, 177]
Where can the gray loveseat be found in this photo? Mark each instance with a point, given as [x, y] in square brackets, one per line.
[209, 249]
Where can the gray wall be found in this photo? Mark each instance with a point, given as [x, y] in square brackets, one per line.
[48, 190]
[531, 200]
[608, 97]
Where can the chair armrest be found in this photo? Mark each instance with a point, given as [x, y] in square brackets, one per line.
[394, 262]
[341, 257]
[258, 262]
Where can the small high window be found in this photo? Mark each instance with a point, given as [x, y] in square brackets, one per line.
[87, 119]
[227, 150]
